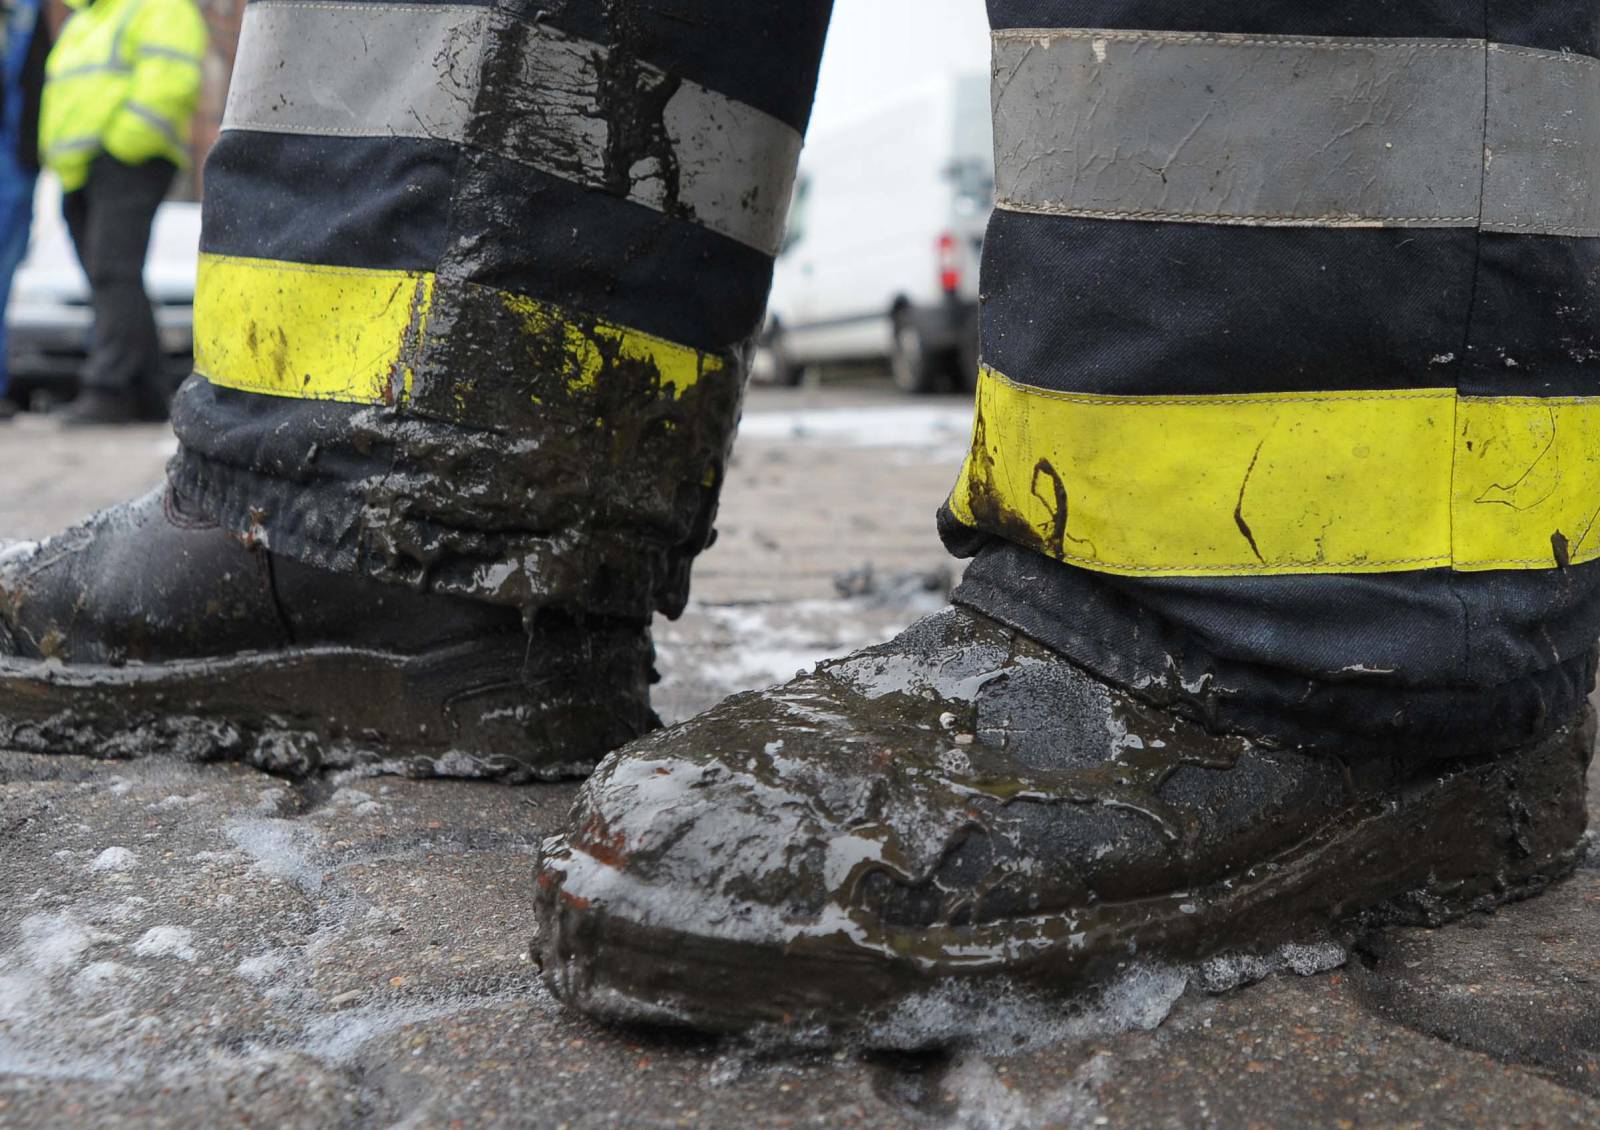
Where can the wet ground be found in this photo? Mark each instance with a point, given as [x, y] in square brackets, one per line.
[212, 946]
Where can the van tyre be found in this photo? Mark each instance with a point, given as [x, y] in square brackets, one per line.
[786, 373]
[967, 362]
[915, 367]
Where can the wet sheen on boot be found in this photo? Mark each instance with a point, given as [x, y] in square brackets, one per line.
[963, 807]
[150, 630]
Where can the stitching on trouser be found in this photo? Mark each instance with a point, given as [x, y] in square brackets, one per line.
[1225, 217]
[1032, 35]
[1215, 401]
[360, 6]
[1540, 229]
[1565, 57]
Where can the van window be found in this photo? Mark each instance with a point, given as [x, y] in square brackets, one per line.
[971, 169]
[973, 182]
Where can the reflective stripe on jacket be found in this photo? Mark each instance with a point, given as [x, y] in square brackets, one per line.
[124, 79]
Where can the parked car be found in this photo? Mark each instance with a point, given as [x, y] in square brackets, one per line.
[48, 319]
[885, 238]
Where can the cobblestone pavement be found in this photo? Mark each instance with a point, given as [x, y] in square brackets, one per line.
[184, 945]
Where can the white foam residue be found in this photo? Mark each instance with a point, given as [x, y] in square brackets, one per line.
[281, 849]
[114, 859]
[337, 1039]
[54, 942]
[99, 976]
[984, 1100]
[264, 966]
[166, 941]
[1228, 971]
[1004, 1018]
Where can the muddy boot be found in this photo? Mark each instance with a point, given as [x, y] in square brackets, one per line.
[474, 302]
[149, 629]
[962, 811]
[1296, 554]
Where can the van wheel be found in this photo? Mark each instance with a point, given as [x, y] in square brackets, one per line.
[914, 366]
[786, 373]
[967, 364]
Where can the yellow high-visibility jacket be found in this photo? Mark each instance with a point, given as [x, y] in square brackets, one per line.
[123, 79]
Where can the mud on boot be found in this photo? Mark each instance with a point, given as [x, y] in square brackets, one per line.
[962, 806]
[148, 629]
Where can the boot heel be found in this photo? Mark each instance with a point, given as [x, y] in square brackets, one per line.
[1530, 812]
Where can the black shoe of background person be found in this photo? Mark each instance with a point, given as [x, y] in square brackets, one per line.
[8, 410]
[900, 838]
[95, 407]
[149, 629]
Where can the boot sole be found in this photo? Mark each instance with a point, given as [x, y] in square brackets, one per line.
[1470, 839]
[448, 712]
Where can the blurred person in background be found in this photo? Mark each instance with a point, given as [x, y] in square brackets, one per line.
[121, 88]
[23, 48]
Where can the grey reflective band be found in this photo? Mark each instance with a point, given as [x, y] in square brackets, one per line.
[156, 121]
[155, 52]
[75, 145]
[344, 69]
[1542, 146]
[91, 69]
[1303, 131]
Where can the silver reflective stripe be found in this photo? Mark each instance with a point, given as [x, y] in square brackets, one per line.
[155, 52]
[1303, 131]
[76, 145]
[366, 70]
[1543, 146]
[153, 118]
[91, 69]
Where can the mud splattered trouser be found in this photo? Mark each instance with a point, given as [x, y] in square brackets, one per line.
[1289, 323]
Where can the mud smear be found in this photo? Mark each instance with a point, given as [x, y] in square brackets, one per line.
[545, 461]
[530, 454]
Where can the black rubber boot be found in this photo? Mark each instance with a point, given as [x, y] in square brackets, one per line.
[95, 408]
[961, 808]
[150, 629]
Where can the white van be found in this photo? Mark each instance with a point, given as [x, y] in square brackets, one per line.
[885, 236]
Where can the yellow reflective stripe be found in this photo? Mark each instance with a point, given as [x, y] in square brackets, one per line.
[308, 332]
[589, 346]
[356, 336]
[1261, 484]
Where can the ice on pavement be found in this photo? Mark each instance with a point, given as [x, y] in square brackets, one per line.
[911, 425]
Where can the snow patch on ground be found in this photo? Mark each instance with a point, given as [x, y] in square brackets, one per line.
[746, 647]
[902, 426]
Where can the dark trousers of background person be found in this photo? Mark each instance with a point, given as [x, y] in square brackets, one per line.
[110, 220]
